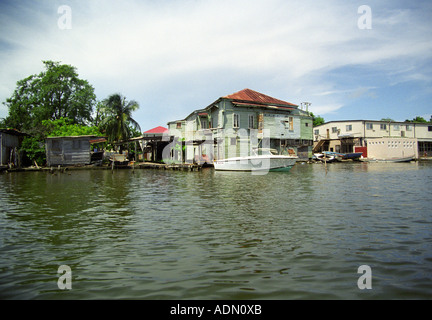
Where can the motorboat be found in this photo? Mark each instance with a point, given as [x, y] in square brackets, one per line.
[261, 159]
[324, 157]
[404, 159]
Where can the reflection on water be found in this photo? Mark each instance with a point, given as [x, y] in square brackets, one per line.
[154, 234]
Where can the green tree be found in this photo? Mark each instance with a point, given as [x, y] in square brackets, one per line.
[65, 127]
[118, 123]
[417, 119]
[317, 120]
[33, 151]
[55, 93]
[99, 114]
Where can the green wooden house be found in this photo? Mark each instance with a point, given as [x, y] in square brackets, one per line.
[234, 124]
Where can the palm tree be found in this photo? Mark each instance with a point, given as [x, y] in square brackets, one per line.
[118, 120]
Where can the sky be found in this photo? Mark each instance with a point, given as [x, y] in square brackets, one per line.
[349, 59]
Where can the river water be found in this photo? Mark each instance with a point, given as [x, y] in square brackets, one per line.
[154, 234]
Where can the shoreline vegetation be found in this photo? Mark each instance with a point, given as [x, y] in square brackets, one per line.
[57, 103]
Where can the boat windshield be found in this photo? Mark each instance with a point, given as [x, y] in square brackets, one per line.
[265, 151]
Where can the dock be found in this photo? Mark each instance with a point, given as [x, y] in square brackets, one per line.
[132, 166]
[164, 166]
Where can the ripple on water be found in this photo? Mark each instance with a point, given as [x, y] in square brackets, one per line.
[177, 235]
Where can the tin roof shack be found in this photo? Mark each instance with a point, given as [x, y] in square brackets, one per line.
[68, 151]
[10, 141]
[153, 143]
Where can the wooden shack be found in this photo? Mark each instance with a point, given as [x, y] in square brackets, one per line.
[152, 143]
[10, 141]
[68, 151]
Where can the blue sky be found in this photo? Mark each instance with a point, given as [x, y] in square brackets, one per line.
[173, 57]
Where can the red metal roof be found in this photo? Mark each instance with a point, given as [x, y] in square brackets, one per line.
[157, 130]
[98, 140]
[254, 96]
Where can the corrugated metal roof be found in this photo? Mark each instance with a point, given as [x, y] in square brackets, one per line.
[74, 137]
[257, 97]
[261, 105]
[98, 140]
[13, 132]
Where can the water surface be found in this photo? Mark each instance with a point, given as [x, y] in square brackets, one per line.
[152, 234]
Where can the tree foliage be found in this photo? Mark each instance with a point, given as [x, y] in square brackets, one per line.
[117, 122]
[317, 120]
[56, 102]
[55, 93]
[418, 119]
[34, 150]
[64, 127]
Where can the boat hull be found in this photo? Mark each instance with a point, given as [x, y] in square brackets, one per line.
[406, 159]
[256, 163]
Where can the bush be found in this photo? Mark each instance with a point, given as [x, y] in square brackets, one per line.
[33, 150]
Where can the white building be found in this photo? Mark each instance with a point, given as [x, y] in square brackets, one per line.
[376, 139]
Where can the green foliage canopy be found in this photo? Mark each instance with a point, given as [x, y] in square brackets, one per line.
[117, 122]
[64, 127]
[317, 120]
[34, 150]
[418, 119]
[53, 94]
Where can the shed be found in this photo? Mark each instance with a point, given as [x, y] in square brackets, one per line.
[10, 141]
[153, 144]
[70, 150]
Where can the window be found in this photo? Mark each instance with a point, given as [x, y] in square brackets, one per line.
[307, 124]
[204, 123]
[408, 127]
[349, 127]
[429, 128]
[316, 132]
[236, 120]
[369, 126]
[179, 125]
[233, 141]
[251, 121]
[383, 126]
[291, 124]
[425, 146]
[334, 129]
[396, 127]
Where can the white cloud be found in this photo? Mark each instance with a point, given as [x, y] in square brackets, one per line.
[174, 51]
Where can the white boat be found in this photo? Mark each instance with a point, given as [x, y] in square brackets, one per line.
[324, 157]
[405, 159]
[261, 160]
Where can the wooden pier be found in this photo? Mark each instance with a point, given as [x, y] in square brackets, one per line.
[133, 166]
[164, 166]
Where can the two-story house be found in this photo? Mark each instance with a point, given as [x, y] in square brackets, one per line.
[234, 124]
[376, 139]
